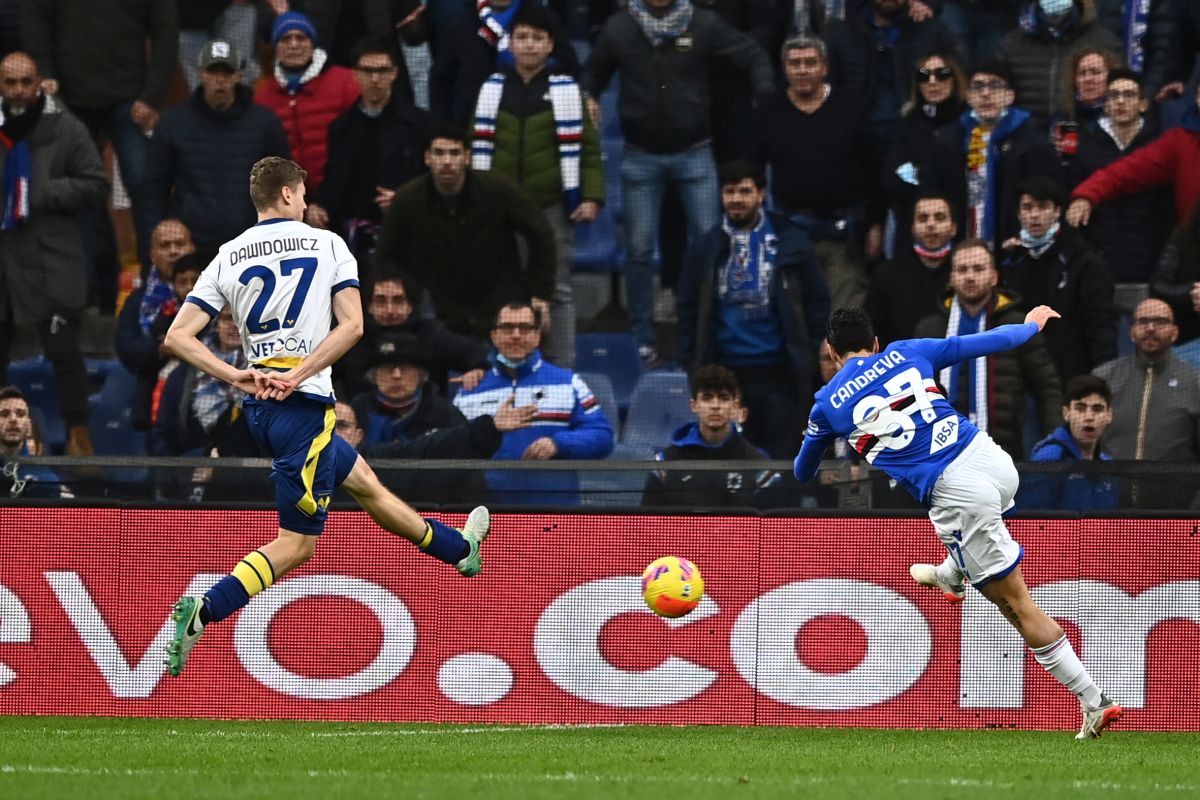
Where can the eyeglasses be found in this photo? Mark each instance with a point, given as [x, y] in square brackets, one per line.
[1153, 322]
[515, 327]
[927, 75]
[988, 86]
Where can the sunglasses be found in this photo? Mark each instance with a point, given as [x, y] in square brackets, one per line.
[927, 75]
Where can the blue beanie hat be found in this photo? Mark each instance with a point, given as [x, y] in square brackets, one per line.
[292, 21]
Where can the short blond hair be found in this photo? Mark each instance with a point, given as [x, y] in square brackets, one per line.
[268, 177]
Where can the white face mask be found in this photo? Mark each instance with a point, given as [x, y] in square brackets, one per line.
[1052, 8]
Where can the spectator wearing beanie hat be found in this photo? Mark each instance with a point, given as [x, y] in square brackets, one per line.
[306, 92]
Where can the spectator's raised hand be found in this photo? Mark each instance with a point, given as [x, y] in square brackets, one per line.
[316, 216]
[1041, 315]
[1079, 212]
[510, 417]
[585, 211]
[384, 197]
[919, 11]
[143, 115]
[469, 379]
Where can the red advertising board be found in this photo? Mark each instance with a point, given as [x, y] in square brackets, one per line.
[806, 622]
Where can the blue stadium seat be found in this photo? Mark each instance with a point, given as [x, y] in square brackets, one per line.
[660, 404]
[109, 419]
[597, 245]
[602, 388]
[614, 354]
[35, 378]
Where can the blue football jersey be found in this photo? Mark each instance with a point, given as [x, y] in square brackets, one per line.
[892, 412]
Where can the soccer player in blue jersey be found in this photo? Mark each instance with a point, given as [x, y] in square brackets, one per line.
[892, 412]
[285, 283]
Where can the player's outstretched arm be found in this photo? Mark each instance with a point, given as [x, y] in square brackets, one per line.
[182, 342]
[347, 309]
[1041, 315]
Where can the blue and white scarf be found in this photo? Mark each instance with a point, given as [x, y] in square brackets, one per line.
[668, 27]
[961, 324]
[1038, 245]
[1137, 21]
[158, 293]
[494, 28]
[566, 103]
[212, 397]
[745, 277]
[18, 169]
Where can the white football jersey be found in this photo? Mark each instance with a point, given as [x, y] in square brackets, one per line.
[279, 279]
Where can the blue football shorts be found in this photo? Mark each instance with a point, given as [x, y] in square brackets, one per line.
[309, 460]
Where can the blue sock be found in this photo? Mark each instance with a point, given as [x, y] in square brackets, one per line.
[443, 542]
[226, 597]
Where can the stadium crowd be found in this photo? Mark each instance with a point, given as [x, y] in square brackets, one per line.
[745, 165]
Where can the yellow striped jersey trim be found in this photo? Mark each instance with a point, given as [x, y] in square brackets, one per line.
[280, 362]
[307, 503]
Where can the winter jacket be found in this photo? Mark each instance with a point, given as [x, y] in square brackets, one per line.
[461, 68]
[665, 102]
[35, 481]
[527, 143]
[567, 412]
[1172, 416]
[381, 426]
[178, 432]
[104, 52]
[1171, 160]
[1013, 375]
[464, 249]
[1129, 232]
[200, 161]
[903, 292]
[799, 297]
[139, 353]
[1072, 279]
[307, 114]
[1063, 491]
[915, 144]
[41, 260]
[705, 489]
[856, 57]
[444, 351]
[366, 152]
[1178, 270]
[1040, 57]
[1024, 151]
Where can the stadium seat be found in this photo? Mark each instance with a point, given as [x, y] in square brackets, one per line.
[660, 404]
[35, 378]
[109, 417]
[602, 388]
[615, 355]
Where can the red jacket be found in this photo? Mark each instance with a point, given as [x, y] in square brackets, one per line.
[307, 114]
[1173, 159]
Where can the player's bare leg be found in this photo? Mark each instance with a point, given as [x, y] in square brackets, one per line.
[1052, 650]
[395, 516]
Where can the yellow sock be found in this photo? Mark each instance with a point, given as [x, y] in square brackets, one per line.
[254, 572]
[425, 542]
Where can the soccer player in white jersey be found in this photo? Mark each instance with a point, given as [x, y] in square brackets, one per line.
[285, 283]
[890, 409]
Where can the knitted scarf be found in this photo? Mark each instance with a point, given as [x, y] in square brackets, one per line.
[159, 296]
[745, 278]
[1137, 20]
[960, 324]
[18, 162]
[292, 81]
[494, 28]
[668, 27]
[566, 103]
[213, 397]
[924, 252]
[982, 151]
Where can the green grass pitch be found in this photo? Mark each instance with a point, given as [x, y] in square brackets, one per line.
[84, 758]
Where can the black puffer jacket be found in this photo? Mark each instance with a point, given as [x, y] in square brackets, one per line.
[705, 489]
[1012, 374]
[1072, 279]
[1040, 59]
[200, 160]
[1177, 272]
[665, 101]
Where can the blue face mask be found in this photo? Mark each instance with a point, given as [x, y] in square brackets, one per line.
[1052, 8]
[510, 363]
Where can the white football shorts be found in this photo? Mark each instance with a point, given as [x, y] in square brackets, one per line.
[967, 501]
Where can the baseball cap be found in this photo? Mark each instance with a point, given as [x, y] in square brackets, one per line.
[220, 53]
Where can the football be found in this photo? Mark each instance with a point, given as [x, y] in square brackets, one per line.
[672, 586]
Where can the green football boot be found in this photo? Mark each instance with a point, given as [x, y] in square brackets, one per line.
[479, 524]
